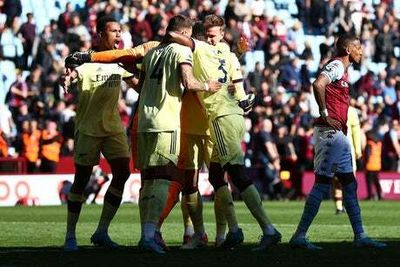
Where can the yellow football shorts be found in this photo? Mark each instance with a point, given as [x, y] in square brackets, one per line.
[157, 149]
[88, 148]
[227, 133]
[195, 151]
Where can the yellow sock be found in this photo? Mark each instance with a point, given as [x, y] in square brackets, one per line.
[187, 222]
[195, 208]
[110, 208]
[223, 197]
[73, 217]
[157, 199]
[253, 202]
[144, 201]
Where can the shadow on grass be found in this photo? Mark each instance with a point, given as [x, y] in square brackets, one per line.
[333, 254]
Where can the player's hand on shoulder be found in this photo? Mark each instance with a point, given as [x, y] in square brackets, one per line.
[333, 123]
[213, 86]
[76, 59]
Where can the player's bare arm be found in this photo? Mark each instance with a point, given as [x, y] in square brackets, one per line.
[137, 85]
[181, 39]
[319, 86]
[192, 84]
[125, 56]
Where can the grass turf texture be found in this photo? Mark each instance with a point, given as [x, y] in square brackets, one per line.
[34, 236]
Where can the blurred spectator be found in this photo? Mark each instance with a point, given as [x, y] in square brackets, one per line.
[259, 32]
[77, 28]
[18, 94]
[318, 17]
[391, 147]
[3, 145]
[390, 97]
[345, 24]
[373, 164]
[12, 8]
[97, 179]
[255, 78]
[65, 18]
[290, 75]
[288, 157]
[266, 157]
[384, 45]
[64, 188]
[30, 145]
[28, 33]
[50, 148]
[7, 126]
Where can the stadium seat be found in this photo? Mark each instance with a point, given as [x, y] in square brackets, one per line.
[376, 67]
[292, 8]
[269, 5]
[41, 22]
[251, 59]
[26, 8]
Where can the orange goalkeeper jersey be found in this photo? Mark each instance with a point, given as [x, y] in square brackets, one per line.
[126, 56]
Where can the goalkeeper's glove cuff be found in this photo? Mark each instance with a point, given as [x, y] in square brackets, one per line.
[247, 103]
[77, 59]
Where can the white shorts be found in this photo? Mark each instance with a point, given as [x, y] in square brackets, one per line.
[332, 152]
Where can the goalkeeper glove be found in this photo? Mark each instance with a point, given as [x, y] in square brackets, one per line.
[247, 103]
[77, 59]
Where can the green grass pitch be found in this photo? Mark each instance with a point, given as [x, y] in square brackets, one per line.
[33, 236]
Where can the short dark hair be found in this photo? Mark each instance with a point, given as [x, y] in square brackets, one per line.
[179, 22]
[199, 31]
[343, 43]
[214, 21]
[102, 22]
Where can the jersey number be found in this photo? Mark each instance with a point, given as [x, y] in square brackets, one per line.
[225, 73]
[157, 71]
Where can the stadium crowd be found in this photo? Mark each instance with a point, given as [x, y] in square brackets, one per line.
[290, 40]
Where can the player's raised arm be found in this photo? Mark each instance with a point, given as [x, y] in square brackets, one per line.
[192, 84]
[181, 39]
[125, 56]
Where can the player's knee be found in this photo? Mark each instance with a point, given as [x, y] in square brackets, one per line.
[167, 172]
[216, 176]
[81, 179]
[190, 182]
[347, 178]
[238, 176]
[322, 179]
[112, 198]
[74, 206]
[188, 190]
[216, 182]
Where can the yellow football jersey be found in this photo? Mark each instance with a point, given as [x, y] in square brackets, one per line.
[217, 63]
[160, 100]
[99, 88]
